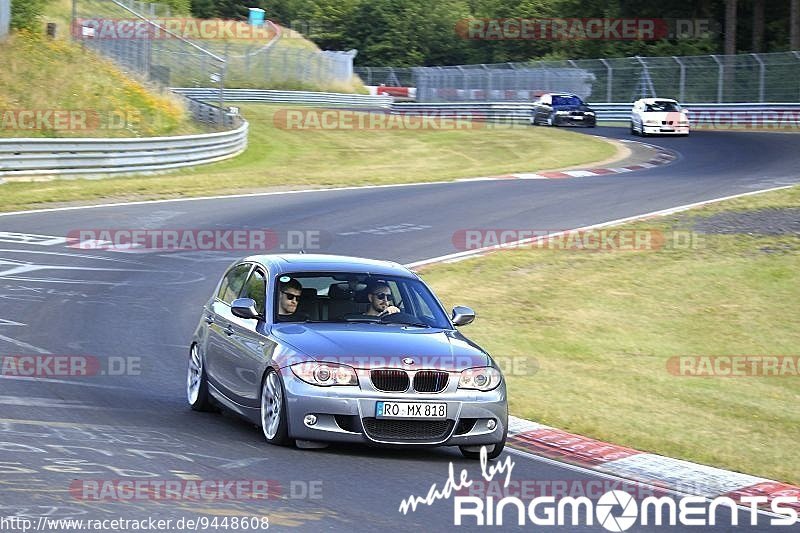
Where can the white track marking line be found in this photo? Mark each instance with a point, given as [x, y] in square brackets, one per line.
[664, 212]
[67, 382]
[24, 345]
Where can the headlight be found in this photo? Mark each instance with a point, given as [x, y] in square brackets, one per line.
[325, 374]
[483, 379]
[590, 113]
[651, 122]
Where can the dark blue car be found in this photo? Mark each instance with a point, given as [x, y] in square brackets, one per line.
[560, 109]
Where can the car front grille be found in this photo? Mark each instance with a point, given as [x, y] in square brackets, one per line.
[389, 380]
[407, 430]
[430, 381]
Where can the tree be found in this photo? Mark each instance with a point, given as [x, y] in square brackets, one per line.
[794, 25]
[730, 26]
[758, 25]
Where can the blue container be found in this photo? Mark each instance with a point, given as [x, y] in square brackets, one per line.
[256, 16]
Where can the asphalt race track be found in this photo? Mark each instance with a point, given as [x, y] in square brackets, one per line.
[135, 312]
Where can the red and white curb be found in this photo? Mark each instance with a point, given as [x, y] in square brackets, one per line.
[662, 157]
[656, 470]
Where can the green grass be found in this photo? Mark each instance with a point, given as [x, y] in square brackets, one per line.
[602, 326]
[292, 158]
[42, 74]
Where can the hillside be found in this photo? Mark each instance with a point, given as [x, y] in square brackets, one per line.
[54, 88]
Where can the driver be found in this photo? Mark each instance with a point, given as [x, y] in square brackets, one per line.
[290, 292]
[380, 296]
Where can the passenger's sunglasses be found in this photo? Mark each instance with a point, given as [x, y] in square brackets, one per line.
[291, 296]
[382, 296]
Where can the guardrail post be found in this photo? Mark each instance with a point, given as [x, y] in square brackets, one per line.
[610, 84]
[761, 75]
[682, 82]
[796, 55]
[720, 77]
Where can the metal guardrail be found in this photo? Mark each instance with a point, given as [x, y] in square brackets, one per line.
[699, 114]
[287, 97]
[86, 156]
[500, 111]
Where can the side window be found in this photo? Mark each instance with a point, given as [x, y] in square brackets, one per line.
[233, 282]
[256, 288]
[547, 100]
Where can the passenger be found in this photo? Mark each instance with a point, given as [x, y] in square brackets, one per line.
[290, 292]
[380, 296]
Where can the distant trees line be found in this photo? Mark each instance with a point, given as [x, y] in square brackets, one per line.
[424, 32]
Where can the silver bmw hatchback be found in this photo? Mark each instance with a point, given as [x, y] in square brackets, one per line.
[321, 348]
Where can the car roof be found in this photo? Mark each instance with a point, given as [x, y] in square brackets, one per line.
[654, 100]
[291, 263]
[562, 94]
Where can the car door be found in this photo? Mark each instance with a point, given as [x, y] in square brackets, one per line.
[249, 348]
[545, 108]
[635, 112]
[217, 315]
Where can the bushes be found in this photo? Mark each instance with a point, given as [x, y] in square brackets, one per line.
[25, 14]
[178, 7]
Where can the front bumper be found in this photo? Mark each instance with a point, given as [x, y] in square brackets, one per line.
[347, 414]
[575, 120]
[666, 130]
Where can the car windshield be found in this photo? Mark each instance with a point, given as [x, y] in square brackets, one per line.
[356, 297]
[566, 100]
[663, 107]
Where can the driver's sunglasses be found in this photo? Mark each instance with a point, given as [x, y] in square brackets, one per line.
[382, 295]
[291, 296]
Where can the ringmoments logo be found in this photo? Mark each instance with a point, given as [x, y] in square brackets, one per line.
[615, 510]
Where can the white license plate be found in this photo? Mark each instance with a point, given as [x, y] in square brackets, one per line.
[424, 410]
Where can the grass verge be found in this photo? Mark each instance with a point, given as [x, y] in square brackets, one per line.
[92, 96]
[601, 328]
[302, 158]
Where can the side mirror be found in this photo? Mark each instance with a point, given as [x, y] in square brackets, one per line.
[462, 315]
[245, 308]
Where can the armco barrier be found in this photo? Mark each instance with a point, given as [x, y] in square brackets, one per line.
[699, 114]
[501, 111]
[85, 156]
[288, 97]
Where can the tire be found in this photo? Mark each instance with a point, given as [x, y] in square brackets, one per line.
[491, 453]
[633, 130]
[197, 382]
[551, 120]
[274, 423]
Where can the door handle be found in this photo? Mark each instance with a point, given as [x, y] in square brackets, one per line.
[229, 330]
